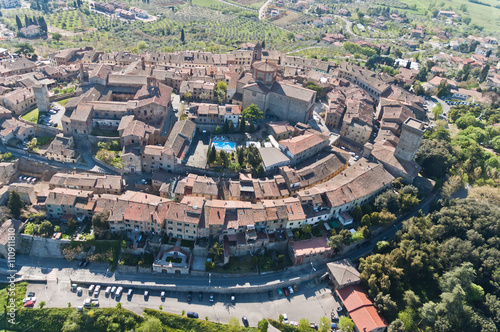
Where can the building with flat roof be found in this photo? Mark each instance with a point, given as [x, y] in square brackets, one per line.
[309, 251]
[273, 158]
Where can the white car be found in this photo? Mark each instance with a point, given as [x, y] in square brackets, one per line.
[87, 303]
[285, 319]
[79, 291]
[26, 299]
[119, 291]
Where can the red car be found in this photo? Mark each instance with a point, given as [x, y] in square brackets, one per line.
[29, 304]
[285, 290]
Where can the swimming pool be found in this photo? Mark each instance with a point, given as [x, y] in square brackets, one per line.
[226, 146]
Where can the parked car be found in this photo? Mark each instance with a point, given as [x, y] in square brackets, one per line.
[146, 295]
[295, 288]
[86, 263]
[31, 294]
[271, 295]
[233, 298]
[79, 291]
[245, 321]
[108, 291]
[29, 298]
[91, 289]
[189, 296]
[81, 263]
[285, 319]
[130, 293]
[29, 304]
[211, 298]
[290, 289]
[119, 291]
[191, 314]
[162, 294]
[113, 290]
[285, 290]
[280, 292]
[87, 303]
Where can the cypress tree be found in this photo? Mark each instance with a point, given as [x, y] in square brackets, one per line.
[19, 23]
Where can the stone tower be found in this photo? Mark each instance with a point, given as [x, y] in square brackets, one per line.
[42, 97]
[411, 135]
[257, 52]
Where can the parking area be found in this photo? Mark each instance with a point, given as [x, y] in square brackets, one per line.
[197, 153]
[53, 117]
[311, 301]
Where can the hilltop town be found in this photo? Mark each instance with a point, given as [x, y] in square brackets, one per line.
[190, 170]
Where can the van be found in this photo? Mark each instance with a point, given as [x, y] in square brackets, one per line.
[191, 314]
[91, 289]
[129, 293]
[119, 291]
[108, 291]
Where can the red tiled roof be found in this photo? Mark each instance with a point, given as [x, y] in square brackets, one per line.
[361, 308]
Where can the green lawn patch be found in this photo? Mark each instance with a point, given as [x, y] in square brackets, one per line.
[63, 102]
[31, 116]
[43, 140]
[112, 158]
[237, 265]
[207, 3]
[173, 259]
[184, 243]
[105, 132]
[181, 323]
[20, 293]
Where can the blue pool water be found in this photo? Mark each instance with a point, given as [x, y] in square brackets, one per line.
[226, 146]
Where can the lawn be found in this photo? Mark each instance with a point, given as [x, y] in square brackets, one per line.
[184, 243]
[105, 132]
[63, 102]
[248, 3]
[486, 16]
[31, 116]
[20, 292]
[237, 265]
[44, 140]
[208, 3]
[112, 158]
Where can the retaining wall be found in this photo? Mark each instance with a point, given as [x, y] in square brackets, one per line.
[61, 96]
[216, 289]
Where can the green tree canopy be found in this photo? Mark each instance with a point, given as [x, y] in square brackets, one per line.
[252, 113]
[15, 204]
[346, 324]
